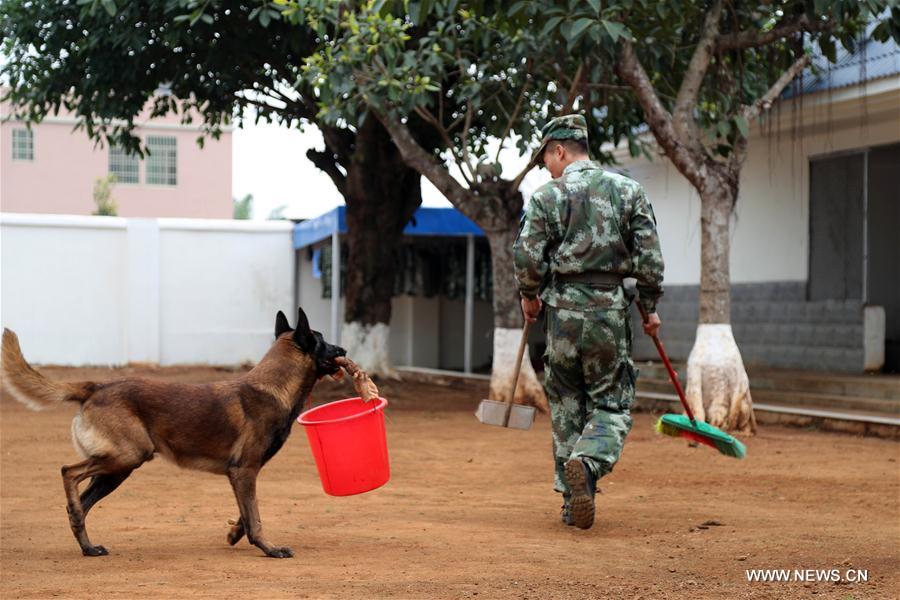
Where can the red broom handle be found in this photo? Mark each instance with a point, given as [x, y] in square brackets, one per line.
[672, 374]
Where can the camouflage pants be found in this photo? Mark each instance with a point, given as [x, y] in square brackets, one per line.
[589, 380]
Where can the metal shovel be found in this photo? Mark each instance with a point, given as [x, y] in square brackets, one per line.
[507, 414]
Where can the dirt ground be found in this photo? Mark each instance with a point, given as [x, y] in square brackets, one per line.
[469, 513]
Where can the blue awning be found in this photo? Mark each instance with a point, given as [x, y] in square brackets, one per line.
[441, 222]
[320, 228]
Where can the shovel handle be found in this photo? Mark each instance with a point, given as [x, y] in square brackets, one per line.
[512, 393]
[672, 374]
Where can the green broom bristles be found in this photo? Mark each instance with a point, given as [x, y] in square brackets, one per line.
[703, 433]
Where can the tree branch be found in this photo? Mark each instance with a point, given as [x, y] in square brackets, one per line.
[424, 162]
[752, 111]
[755, 38]
[737, 156]
[432, 120]
[262, 107]
[340, 141]
[515, 113]
[570, 98]
[609, 86]
[464, 142]
[514, 186]
[686, 100]
[658, 118]
[326, 162]
[444, 135]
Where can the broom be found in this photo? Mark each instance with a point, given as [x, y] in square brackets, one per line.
[685, 425]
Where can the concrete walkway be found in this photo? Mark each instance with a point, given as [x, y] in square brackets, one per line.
[862, 404]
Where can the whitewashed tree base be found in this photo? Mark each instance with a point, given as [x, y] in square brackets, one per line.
[718, 389]
[367, 345]
[529, 390]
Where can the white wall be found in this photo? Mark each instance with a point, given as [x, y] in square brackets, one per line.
[108, 291]
[62, 287]
[220, 288]
[424, 332]
[452, 338]
[770, 236]
[317, 309]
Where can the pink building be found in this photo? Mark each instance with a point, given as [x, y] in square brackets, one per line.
[52, 169]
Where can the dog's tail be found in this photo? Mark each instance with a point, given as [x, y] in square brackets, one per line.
[30, 387]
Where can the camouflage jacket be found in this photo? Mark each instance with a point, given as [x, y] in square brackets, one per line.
[588, 220]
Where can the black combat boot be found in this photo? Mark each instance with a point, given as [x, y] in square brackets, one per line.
[583, 486]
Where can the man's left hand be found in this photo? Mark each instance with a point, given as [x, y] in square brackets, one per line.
[652, 325]
[531, 308]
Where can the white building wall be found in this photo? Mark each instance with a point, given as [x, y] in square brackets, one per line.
[62, 287]
[452, 333]
[770, 236]
[424, 332]
[108, 291]
[317, 309]
[221, 284]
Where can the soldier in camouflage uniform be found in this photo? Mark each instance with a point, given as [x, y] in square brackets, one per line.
[580, 235]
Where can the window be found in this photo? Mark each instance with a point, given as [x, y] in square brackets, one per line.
[124, 166]
[23, 144]
[162, 163]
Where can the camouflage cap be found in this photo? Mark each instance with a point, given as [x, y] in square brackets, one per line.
[567, 127]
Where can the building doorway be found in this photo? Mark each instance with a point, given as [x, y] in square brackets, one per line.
[855, 234]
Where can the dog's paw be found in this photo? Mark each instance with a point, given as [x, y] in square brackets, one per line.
[235, 535]
[94, 551]
[283, 552]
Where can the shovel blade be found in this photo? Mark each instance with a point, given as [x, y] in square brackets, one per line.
[491, 412]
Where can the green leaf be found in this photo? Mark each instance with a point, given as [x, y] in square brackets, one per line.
[881, 32]
[415, 11]
[742, 125]
[110, 6]
[826, 44]
[516, 8]
[724, 128]
[633, 148]
[424, 9]
[616, 30]
[578, 28]
[595, 4]
[551, 24]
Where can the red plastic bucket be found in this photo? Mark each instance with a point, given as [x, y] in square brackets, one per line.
[349, 444]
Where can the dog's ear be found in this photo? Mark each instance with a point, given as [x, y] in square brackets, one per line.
[281, 324]
[303, 337]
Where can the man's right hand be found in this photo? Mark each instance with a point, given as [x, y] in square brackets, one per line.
[652, 325]
[531, 308]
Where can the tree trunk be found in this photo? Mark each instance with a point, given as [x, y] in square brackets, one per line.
[495, 208]
[381, 194]
[718, 389]
[508, 322]
[717, 202]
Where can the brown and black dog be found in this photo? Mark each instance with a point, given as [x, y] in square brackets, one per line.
[232, 428]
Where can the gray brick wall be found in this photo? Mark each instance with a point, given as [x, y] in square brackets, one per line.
[774, 325]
